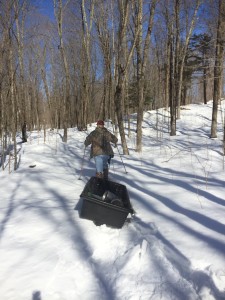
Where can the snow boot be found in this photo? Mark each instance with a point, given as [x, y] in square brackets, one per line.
[106, 174]
[99, 174]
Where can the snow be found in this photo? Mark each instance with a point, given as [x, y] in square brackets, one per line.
[172, 248]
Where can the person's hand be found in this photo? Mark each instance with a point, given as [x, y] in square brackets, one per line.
[115, 145]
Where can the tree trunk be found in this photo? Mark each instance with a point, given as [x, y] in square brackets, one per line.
[205, 85]
[59, 16]
[20, 37]
[86, 61]
[218, 68]
[172, 89]
[119, 112]
[141, 65]
[183, 55]
[122, 68]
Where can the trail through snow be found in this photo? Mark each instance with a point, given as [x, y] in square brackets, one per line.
[174, 246]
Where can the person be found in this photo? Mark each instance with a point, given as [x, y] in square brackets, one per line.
[101, 149]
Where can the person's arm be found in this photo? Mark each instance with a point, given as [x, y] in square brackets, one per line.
[87, 142]
[114, 139]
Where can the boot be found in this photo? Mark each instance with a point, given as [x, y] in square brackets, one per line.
[99, 174]
[106, 174]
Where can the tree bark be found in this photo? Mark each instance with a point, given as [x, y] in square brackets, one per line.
[59, 16]
[183, 55]
[141, 65]
[122, 68]
[86, 60]
[172, 88]
[218, 68]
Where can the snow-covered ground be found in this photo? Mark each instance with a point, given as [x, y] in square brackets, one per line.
[174, 246]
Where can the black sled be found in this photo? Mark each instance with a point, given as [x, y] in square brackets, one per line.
[105, 202]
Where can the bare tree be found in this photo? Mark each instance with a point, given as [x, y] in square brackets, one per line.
[183, 48]
[122, 65]
[142, 56]
[218, 68]
[86, 59]
[103, 17]
[178, 51]
[8, 69]
[59, 9]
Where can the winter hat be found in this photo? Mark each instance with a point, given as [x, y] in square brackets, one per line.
[100, 122]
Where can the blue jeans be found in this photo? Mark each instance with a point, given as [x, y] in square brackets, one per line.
[101, 162]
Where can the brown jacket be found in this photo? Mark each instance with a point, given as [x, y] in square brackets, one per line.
[100, 140]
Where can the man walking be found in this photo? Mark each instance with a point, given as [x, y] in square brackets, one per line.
[101, 150]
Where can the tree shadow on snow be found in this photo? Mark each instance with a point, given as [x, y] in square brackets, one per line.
[144, 196]
[73, 231]
[137, 187]
[76, 234]
[191, 283]
[9, 211]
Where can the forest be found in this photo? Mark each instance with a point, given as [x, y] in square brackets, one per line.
[68, 63]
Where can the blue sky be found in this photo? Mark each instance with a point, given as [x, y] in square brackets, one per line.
[46, 7]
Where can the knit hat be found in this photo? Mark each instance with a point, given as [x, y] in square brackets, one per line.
[100, 122]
